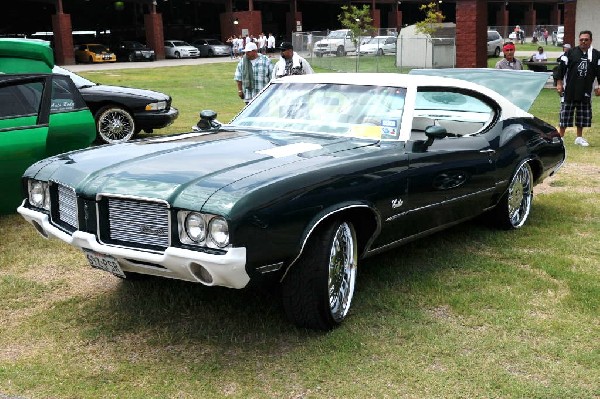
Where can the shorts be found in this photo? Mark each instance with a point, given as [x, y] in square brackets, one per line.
[583, 116]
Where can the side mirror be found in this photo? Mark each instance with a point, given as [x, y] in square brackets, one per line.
[434, 132]
[208, 121]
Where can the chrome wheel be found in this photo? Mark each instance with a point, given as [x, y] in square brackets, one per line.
[520, 194]
[318, 289]
[114, 124]
[342, 271]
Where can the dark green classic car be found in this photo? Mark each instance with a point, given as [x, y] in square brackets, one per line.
[41, 114]
[317, 172]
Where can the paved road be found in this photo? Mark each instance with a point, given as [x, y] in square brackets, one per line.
[141, 64]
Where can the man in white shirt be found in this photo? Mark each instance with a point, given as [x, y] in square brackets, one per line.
[290, 63]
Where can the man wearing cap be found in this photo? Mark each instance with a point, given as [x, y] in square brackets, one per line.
[509, 61]
[253, 72]
[290, 63]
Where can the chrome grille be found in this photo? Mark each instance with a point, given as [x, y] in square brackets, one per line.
[134, 222]
[67, 206]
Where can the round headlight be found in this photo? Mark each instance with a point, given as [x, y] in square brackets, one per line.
[195, 227]
[37, 193]
[219, 232]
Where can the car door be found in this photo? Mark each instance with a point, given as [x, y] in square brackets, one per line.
[449, 179]
[23, 131]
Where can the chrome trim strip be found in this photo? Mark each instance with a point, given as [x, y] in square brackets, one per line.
[394, 217]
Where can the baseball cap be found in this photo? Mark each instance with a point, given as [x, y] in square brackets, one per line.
[250, 47]
[286, 46]
[566, 45]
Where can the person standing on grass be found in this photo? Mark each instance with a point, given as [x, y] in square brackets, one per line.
[290, 63]
[253, 72]
[509, 61]
[579, 68]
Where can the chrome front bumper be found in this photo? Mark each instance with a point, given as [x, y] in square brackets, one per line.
[226, 270]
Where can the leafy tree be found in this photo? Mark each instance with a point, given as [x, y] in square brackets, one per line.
[358, 20]
[433, 17]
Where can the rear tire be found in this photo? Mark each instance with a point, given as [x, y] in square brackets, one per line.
[318, 289]
[497, 52]
[514, 207]
[340, 51]
[380, 52]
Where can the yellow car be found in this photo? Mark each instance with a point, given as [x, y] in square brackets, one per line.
[94, 53]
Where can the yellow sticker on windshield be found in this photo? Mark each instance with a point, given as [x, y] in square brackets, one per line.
[372, 132]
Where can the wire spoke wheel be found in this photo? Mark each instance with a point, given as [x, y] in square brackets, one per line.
[115, 124]
[520, 193]
[342, 272]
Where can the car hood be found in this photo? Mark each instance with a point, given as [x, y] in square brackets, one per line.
[519, 87]
[186, 170]
[100, 89]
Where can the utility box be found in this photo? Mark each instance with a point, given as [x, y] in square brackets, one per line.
[418, 50]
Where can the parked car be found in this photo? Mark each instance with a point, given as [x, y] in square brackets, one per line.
[211, 47]
[316, 173]
[494, 43]
[92, 53]
[40, 114]
[558, 36]
[121, 112]
[378, 45]
[338, 42]
[180, 49]
[133, 51]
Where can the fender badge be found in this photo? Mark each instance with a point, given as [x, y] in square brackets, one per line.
[397, 203]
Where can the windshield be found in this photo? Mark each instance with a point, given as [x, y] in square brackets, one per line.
[181, 44]
[78, 80]
[337, 34]
[349, 110]
[214, 42]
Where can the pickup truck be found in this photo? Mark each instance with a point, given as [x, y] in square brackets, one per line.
[338, 42]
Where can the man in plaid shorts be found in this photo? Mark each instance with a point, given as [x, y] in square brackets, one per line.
[578, 69]
[253, 72]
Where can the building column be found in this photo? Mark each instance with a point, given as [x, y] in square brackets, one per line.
[570, 13]
[63, 38]
[555, 15]
[248, 23]
[531, 18]
[502, 20]
[471, 44]
[395, 19]
[154, 33]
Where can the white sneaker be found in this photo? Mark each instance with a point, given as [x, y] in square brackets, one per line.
[581, 141]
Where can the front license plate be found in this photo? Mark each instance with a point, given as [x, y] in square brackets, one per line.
[104, 262]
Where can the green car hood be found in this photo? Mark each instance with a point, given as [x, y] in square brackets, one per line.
[519, 87]
[187, 170]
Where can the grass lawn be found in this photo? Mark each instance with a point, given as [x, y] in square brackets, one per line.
[468, 312]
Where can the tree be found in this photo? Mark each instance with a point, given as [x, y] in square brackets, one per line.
[433, 17]
[358, 20]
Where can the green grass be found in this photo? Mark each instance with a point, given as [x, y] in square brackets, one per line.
[469, 312]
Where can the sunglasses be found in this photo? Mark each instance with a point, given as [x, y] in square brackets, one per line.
[584, 39]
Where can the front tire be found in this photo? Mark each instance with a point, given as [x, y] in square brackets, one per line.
[497, 52]
[514, 207]
[114, 124]
[340, 52]
[318, 289]
[177, 55]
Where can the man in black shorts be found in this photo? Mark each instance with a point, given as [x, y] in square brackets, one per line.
[578, 69]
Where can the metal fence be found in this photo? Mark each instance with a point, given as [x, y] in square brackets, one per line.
[406, 54]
